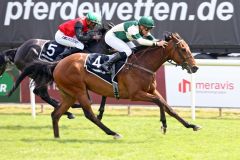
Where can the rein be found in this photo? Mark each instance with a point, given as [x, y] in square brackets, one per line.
[176, 46]
[141, 67]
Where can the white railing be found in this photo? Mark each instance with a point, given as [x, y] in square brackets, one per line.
[217, 62]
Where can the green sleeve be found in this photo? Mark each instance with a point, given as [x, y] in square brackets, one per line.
[136, 36]
[150, 37]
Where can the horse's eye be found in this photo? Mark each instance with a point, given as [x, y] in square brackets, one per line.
[184, 49]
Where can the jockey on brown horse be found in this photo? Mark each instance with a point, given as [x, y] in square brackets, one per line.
[74, 82]
[120, 38]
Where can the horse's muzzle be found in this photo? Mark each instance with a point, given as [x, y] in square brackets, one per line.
[194, 69]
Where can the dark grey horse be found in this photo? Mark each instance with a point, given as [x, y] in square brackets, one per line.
[30, 51]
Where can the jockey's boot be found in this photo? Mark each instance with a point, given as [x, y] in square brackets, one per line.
[67, 52]
[107, 65]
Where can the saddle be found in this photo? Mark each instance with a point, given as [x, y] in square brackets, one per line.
[51, 50]
[93, 63]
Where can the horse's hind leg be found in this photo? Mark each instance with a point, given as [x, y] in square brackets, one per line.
[101, 108]
[86, 106]
[66, 102]
[43, 93]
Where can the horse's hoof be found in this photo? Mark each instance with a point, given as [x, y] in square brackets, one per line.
[117, 136]
[196, 128]
[71, 116]
[164, 130]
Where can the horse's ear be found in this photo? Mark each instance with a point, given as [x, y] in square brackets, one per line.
[176, 35]
[102, 29]
[110, 25]
[106, 27]
[168, 36]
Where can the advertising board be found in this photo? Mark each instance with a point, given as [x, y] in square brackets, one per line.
[204, 23]
[216, 86]
[6, 83]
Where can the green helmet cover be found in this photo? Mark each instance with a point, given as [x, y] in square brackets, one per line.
[93, 17]
[146, 21]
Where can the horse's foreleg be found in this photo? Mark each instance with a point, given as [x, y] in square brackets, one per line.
[172, 113]
[101, 108]
[86, 106]
[144, 96]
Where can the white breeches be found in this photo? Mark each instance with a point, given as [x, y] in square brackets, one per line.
[119, 44]
[68, 41]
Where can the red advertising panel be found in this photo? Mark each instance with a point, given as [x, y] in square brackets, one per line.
[25, 94]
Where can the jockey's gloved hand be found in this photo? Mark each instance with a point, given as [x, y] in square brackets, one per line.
[162, 43]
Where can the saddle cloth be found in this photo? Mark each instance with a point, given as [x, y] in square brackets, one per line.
[51, 50]
[95, 60]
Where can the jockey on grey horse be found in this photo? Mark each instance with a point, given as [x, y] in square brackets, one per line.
[33, 49]
[74, 32]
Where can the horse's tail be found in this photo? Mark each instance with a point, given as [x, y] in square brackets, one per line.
[9, 54]
[40, 72]
[6, 56]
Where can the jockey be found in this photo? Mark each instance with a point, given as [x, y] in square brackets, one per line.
[120, 38]
[72, 33]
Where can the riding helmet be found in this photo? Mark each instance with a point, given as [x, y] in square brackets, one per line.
[146, 21]
[93, 17]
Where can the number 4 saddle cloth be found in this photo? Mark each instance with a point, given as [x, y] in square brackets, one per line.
[95, 60]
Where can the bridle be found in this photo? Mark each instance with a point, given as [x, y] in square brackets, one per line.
[141, 67]
[184, 64]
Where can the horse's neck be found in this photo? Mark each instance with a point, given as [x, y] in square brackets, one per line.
[151, 58]
[97, 47]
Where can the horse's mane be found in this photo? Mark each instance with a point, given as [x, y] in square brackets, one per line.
[99, 46]
[167, 37]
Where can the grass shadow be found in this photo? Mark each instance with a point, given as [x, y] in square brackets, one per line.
[21, 127]
[88, 141]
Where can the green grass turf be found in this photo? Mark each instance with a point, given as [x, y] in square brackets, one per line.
[22, 138]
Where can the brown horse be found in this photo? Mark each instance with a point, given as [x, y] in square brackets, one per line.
[136, 81]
